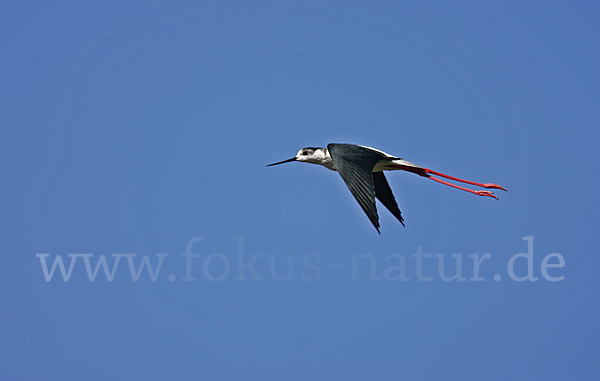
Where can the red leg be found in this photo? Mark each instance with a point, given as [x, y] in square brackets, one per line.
[425, 172]
[488, 185]
[477, 192]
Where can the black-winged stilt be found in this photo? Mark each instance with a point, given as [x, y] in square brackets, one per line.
[362, 170]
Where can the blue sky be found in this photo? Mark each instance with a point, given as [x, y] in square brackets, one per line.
[136, 127]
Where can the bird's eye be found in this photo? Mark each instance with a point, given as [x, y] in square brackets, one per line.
[305, 152]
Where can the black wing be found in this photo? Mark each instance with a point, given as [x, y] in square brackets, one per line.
[383, 192]
[355, 165]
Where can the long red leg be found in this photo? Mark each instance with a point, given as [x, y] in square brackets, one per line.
[487, 185]
[426, 172]
[477, 192]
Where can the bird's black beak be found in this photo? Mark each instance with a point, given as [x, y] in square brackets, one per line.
[281, 162]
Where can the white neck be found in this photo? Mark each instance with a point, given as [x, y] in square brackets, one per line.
[321, 156]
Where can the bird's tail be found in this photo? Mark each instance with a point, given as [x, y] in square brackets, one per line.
[399, 164]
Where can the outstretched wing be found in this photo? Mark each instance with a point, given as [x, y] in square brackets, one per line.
[355, 165]
[383, 192]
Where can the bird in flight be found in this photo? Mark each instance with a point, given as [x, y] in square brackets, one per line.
[362, 169]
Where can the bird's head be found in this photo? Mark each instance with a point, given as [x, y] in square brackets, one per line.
[313, 155]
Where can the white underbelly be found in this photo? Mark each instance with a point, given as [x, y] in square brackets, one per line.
[384, 165]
